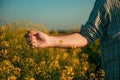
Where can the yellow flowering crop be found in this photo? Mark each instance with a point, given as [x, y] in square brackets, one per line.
[20, 62]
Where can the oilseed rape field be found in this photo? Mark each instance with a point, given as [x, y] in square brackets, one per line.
[18, 61]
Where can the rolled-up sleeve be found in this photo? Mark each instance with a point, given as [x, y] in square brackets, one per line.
[97, 20]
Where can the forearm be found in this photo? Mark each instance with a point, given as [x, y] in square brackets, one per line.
[68, 41]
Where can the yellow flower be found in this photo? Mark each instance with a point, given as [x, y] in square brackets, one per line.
[69, 68]
[85, 68]
[75, 62]
[55, 64]
[92, 76]
[7, 62]
[82, 73]
[29, 78]
[85, 55]
[5, 43]
[2, 36]
[62, 78]
[16, 58]
[70, 78]
[32, 79]
[17, 71]
[4, 52]
[12, 78]
[65, 55]
[2, 28]
[19, 47]
[0, 69]
[57, 57]
[38, 70]
[42, 63]
[26, 78]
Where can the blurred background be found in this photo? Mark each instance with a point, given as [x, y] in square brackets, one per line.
[53, 14]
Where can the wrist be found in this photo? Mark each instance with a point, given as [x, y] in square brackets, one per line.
[55, 41]
[52, 41]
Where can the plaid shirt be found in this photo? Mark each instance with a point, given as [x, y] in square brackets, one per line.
[104, 23]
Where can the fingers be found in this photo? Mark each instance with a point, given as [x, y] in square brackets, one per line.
[30, 38]
[35, 39]
[31, 33]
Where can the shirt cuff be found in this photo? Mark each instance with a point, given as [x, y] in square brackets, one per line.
[88, 33]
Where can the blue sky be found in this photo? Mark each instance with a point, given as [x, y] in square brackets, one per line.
[54, 14]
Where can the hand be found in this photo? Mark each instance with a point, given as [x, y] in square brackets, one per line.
[37, 39]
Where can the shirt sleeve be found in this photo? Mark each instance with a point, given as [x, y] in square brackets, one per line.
[97, 20]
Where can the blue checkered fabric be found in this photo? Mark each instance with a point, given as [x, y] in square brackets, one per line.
[104, 23]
